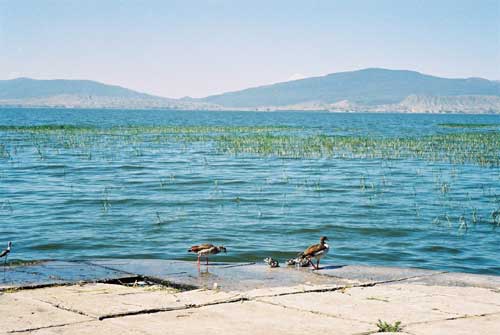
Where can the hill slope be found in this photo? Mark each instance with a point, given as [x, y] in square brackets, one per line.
[373, 90]
[367, 87]
[26, 92]
[26, 88]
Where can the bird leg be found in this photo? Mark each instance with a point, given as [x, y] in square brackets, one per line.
[198, 260]
[317, 265]
[207, 260]
[314, 266]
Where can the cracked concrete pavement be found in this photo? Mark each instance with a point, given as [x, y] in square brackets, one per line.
[243, 299]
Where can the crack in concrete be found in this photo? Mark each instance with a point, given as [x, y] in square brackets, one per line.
[460, 317]
[332, 289]
[46, 327]
[109, 268]
[169, 309]
[35, 286]
[310, 311]
[61, 307]
[237, 265]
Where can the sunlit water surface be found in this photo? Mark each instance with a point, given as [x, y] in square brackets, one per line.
[154, 201]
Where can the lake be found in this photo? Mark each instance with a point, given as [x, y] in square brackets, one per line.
[408, 190]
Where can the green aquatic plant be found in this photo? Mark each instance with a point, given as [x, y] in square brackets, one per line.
[105, 203]
[495, 215]
[479, 148]
[4, 152]
[385, 327]
[463, 148]
[469, 125]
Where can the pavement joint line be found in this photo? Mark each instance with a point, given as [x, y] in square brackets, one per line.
[407, 278]
[108, 268]
[46, 327]
[170, 309]
[59, 306]
[237, 265]
[310, 311]
[336, 288]
[139, 274]
[459, 317]
[383, 282]
[36, 286]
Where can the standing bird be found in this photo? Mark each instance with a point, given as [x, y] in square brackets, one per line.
[6, 252]
[316, 251]
[205, 250]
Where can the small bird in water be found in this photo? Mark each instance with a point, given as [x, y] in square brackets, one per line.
[6, 252]
[206, 249]
[272, 262]
[316, 251]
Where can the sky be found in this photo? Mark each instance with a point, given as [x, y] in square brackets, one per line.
[198, 48]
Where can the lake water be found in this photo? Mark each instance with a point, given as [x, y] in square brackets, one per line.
[148, 199]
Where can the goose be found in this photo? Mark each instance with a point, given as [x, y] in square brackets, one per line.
[6, 252]
[316, 251]
[206, 249]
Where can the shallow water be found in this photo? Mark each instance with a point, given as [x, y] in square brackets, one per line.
[149, 199]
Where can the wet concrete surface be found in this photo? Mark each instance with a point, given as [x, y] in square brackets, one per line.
[54, 272]
[229, 276]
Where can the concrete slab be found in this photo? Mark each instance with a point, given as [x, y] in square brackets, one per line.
[54, 272]
[473, 294]
[285, 290]
[388, 303]
[489, 324]
[20, 313]
[370, 274]
[459, 279]
[86, 328]
[241, 318]
[227, 276]
[105, 300]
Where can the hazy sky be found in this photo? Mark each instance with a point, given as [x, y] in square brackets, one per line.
[197, 48]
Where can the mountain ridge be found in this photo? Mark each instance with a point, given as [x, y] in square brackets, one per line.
[371, 89]
[367, 86]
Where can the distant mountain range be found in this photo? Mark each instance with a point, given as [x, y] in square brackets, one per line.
[26, 92]
[373, 90]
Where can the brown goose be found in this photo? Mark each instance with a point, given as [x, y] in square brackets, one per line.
[316, 251]
[206, 249]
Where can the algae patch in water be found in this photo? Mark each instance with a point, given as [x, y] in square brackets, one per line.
[480, 148]
[469, 125]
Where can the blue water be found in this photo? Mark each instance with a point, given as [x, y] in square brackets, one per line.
[149, 200]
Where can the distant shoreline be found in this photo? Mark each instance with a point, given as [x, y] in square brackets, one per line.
[247, 110]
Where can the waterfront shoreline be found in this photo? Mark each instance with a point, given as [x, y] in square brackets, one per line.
[153, 296]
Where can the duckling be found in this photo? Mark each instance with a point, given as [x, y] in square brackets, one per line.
[298, 261]
[272, 262]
